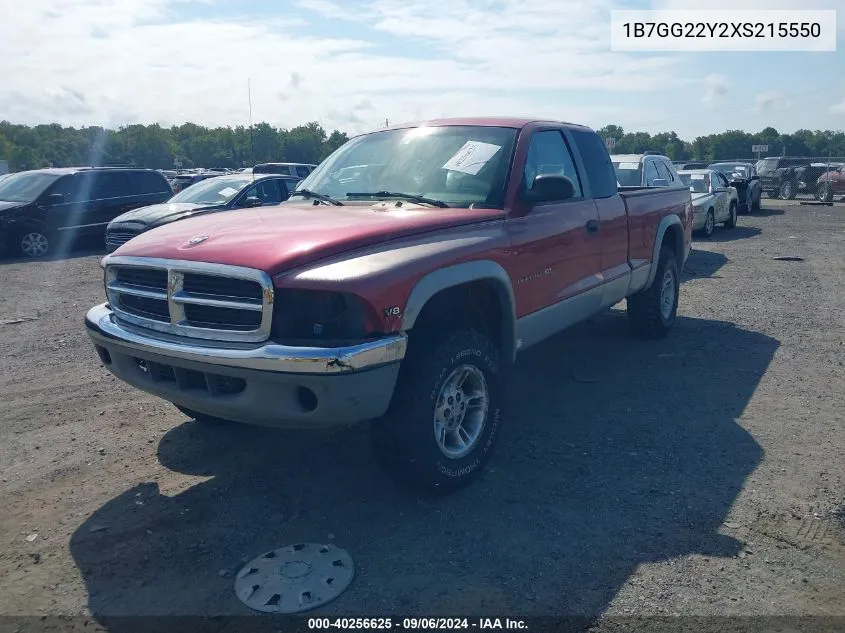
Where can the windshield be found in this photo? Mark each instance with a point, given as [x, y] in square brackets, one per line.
[628, 174]
[25, 186]
[732, 169]
[767, 164]
[697, 183]
[460, 166]
[211, 191]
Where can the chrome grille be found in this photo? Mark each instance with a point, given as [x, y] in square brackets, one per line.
[119, 238]
[195, 299]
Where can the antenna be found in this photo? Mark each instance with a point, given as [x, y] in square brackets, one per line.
[251, 140]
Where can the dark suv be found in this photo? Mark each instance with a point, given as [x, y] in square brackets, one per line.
[780, 176]
[43, 210]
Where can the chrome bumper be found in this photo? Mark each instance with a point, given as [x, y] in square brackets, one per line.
[103, 328]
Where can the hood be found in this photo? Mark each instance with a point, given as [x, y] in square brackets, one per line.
[6, 205]
[163, 213]
[285, 236]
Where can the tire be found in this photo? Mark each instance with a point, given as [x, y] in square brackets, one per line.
[824, 192]
[709, 224]
[756, 204]
[788, 190]
[416, 440]
[33, 242]
[649, 312]
[202, 418]
[730, 223]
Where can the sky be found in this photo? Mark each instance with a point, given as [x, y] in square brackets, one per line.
[353, 65]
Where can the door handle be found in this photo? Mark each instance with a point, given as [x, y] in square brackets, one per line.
[592, 227]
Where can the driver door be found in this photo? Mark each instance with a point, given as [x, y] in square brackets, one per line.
[723, 197]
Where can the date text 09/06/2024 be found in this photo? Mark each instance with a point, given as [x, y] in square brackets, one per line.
[422, 624]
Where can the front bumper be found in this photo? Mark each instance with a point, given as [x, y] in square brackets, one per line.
[267, 384]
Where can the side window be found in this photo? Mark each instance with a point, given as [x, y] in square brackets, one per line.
[110, 185]
[147, 182]
[548, 153]
[68, 187]
[600, 172]
[650, 173]
[301, 171]
[662, 172]
[266, 190]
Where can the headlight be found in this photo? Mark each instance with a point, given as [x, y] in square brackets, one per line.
[318, 315]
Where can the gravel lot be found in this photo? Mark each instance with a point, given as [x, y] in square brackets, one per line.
[699, 475]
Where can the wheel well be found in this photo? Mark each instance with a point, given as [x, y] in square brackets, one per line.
[673, 239]
[476, 304]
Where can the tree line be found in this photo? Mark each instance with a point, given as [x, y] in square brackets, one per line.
[191, 145]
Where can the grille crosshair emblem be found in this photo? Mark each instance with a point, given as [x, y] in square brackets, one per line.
[199, 239]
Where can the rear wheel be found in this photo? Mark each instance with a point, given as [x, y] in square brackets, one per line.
[788, 190]
[652, 311]
[445, 415]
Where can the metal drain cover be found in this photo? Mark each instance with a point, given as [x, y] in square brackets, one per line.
[294, 578]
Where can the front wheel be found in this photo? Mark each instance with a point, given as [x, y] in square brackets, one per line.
[33, 242]
[709, 224]
[825, 192]
[652, 311]
[445, 415]
[731, 221]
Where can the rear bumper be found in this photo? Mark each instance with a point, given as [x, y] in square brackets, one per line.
[268, 384]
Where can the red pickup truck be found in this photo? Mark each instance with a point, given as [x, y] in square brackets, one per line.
[397, 285]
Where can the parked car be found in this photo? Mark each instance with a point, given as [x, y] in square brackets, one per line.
[714, 200]
[185, 180]
[778, 176]
[644, 170]
[830, 184]
[222, 193]
[745, 180]
[404, 303]
[296, 170]
[37, 207]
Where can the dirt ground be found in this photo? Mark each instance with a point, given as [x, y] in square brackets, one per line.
[698, 475]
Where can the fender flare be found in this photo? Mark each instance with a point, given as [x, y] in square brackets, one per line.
[665, 223]
[466, 272]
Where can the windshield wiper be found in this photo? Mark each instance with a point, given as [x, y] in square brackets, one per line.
[307, 193]
[393, 194]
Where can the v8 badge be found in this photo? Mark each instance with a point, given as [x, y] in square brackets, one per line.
[393, 311]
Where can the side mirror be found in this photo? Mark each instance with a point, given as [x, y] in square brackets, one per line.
[550, 188]
[252, 201]
[660, 182]
[53, 199]
[755, 177]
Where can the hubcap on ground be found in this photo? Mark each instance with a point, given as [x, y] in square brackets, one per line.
[461, 411]
[667, 295]
[34, 244]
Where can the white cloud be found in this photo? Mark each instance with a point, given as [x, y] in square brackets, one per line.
[716, 87]
[118, 61]
[838, 108]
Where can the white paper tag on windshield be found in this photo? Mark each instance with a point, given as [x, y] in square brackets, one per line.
[697, 176]
[228, 191]
[472, 157]
[629, 165]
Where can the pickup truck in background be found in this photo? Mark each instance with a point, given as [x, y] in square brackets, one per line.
[398, 295]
